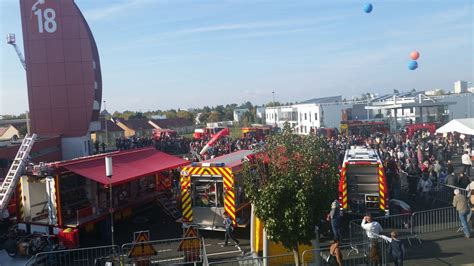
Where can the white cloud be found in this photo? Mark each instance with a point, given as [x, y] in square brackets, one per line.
[118, 7]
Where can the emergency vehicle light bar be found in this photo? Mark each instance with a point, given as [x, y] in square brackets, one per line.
[195, 164]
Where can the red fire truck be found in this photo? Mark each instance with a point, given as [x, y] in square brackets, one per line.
[210, 188]
[208, 132]
[365, 128]
[413, 128]
[363, 185]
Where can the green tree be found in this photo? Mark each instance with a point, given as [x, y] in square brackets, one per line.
[248, 118]
[292, 186]
[186, 115]
[214, 117]
[229, 115]
[137, 115]
[273, 104]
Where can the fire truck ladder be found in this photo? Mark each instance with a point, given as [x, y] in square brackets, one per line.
[16, 169]
[169, 206]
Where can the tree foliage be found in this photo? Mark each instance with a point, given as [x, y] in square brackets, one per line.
[291, 185]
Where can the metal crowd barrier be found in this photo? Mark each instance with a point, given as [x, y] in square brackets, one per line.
[363, 258]
[408, 226]
[76, 257]
[162, 252]
[431, 221]
[445, 193]
[401, 223]
[284, 259]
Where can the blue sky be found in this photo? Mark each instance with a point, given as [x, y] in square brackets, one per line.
[161, 54]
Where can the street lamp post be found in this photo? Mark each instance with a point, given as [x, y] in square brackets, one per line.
[108, 173]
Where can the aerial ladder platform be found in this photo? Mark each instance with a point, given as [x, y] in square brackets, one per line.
[10, 182]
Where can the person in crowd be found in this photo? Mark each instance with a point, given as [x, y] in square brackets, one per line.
[463, 180]
[103, 147]
[96, 146]
[424, 188]
[229, 230]
[372, 228]
[450, 167]
[470, 189]
[334, 216]
[451, 179]
[396, 249]
[460, 203]
[413, 176]
[466, 163]
[335, 254]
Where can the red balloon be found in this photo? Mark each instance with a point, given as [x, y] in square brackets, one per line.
[414, 55]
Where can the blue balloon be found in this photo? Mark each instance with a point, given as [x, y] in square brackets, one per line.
[368, 8]
[413, 65]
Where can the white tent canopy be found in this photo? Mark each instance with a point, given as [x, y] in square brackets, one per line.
[462, 126]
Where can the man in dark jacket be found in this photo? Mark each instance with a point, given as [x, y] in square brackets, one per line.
[451, 179]
[396, 249]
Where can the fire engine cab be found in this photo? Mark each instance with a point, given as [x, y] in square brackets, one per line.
[363, 186]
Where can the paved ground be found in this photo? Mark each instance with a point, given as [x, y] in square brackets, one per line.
[443, 248]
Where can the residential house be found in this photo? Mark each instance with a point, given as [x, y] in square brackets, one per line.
[9, 132]
[136, 127]
[108, 133]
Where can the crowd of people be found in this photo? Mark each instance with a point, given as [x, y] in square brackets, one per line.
[221, 147]
[418, 163]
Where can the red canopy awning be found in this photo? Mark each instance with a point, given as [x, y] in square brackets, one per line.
[127, 165]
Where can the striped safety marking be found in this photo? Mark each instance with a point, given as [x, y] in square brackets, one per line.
[344, 188]
[186, 196]
[20, 201]
[382, 190]
[228, 178]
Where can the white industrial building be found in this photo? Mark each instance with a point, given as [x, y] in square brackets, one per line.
[460, 86]
[397, 109]
[309, 115]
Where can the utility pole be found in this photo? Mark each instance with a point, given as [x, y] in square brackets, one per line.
[105, 122]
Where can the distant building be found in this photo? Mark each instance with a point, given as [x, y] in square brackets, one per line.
[308, 115]
[434, 92]
[462, 107]
[238, 114]
[460, 86]
[158, 117]
[411, 107]
[9, 132]
[220, 124]
[260, 113]
[108, 133]
[136, 127]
